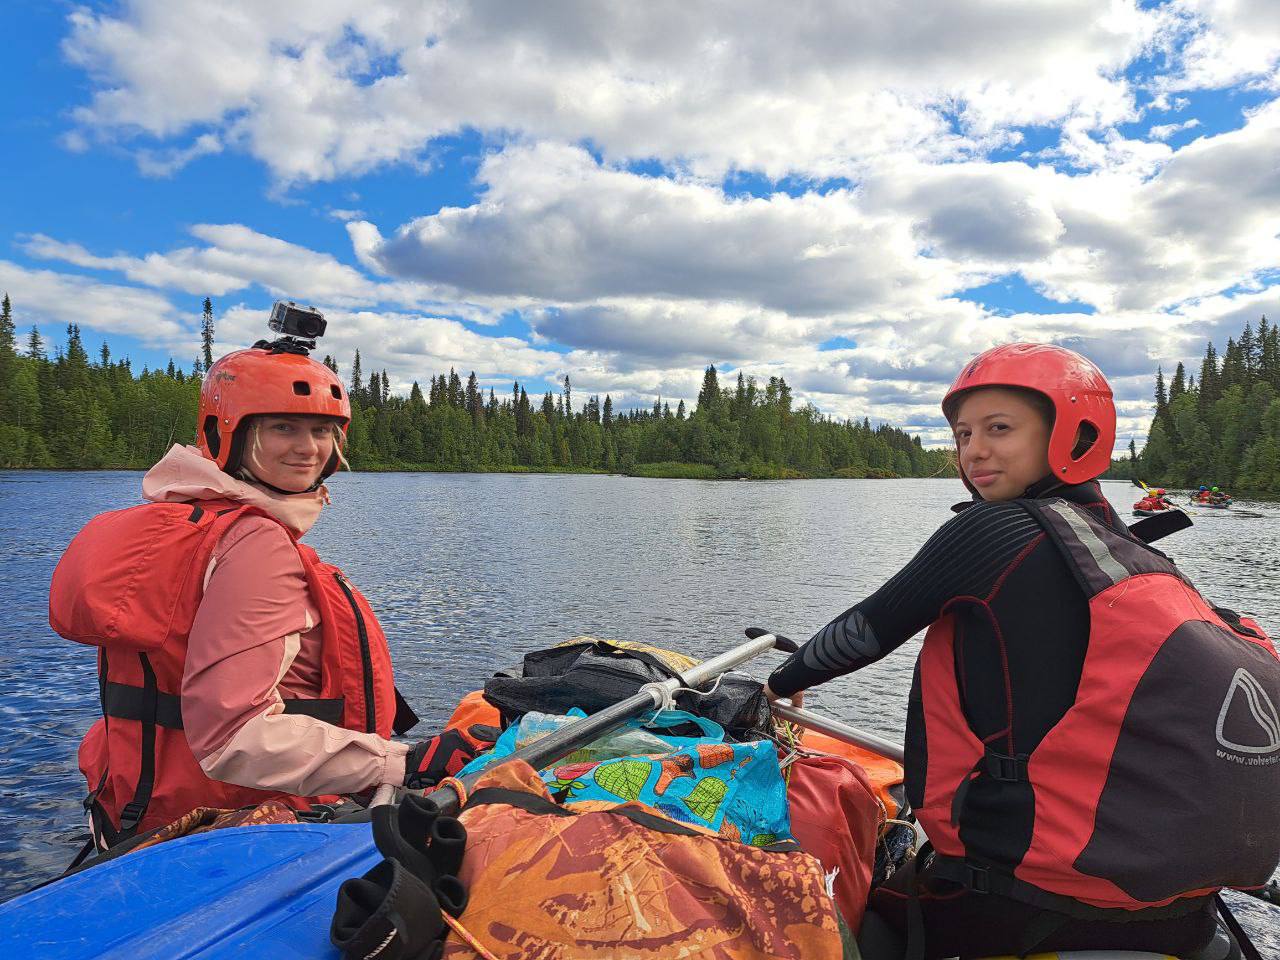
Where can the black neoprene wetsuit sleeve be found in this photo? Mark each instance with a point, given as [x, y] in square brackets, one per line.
[964, 558]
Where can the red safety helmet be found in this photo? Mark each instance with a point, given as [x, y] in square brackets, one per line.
[1077, 389]
[249, 383]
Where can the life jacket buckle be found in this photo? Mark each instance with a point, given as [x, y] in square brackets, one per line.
[977, 879]
[131, 815]
[1007, 769]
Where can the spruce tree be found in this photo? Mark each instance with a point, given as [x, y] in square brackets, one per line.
[568, 398]
[1249, 352]
[1178, 386]
[1209, 388]
[608, 410]
[206, 333]
[709, 395]
[357, 378]
[8, 333]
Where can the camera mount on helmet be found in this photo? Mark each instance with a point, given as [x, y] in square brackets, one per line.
[301, 326]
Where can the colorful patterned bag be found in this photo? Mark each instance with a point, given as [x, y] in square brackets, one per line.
[645, 735]
[735, 789]
[614, 881]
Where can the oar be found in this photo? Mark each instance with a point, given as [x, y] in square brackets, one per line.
[573, 736]
[839, 730]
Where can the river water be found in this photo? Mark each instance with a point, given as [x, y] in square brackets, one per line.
[470, 571]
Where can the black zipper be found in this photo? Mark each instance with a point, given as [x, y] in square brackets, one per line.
[366, 659]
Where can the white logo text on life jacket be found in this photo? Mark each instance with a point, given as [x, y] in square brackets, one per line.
[1263, 727]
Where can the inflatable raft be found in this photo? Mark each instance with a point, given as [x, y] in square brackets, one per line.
[270, 890]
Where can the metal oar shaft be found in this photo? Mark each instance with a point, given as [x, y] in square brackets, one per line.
[573, 736]
[839, 730]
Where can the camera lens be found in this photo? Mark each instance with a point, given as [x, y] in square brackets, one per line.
[310, 326]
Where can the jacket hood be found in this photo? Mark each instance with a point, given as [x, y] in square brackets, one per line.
[183, 474]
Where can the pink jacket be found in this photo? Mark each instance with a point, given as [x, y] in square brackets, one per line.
[256, 639]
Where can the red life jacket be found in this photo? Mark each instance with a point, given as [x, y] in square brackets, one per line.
[130, 584]
[1156, 788]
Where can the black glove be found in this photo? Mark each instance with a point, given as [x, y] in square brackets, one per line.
[445, 754]
[388, 912]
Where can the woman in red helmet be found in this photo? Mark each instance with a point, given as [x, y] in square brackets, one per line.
[1061, 722]
[234, 665]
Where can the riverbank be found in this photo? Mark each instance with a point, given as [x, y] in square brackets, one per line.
[650, 471]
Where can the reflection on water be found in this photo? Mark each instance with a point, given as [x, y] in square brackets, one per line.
[469, 571]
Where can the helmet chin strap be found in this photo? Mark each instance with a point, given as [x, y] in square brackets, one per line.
[247, 474]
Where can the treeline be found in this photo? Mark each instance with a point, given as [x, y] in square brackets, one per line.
[71, 411]
[1223, 427]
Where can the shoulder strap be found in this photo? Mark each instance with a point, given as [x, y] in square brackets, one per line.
[1097, 555]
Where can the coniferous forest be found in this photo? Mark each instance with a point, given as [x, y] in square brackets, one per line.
[73, 411]
[1219, 426]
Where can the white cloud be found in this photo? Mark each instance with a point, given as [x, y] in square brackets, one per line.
[235, 258]
[1233, 41]
[316, 90]
[409, 346]
[165, 163]
[557, 226]
[57, 299]
[1163, 131]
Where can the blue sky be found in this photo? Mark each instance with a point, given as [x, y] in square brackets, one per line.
[849, 200]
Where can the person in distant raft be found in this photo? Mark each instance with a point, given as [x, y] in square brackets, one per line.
[1092, 748]
[1152, 501]
[234, 665]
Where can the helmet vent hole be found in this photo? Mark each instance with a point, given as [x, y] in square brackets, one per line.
[1086, 437]
[302, 388]
[211, 438]
[336, 391]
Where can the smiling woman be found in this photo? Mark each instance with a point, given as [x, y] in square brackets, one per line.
[265, 669]
[290, 453]
[1060, 697]
[1002, 439]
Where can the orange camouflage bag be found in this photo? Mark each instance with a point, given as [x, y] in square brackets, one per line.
[611, 881]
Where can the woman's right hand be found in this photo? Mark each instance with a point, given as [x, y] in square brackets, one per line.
[796, 699]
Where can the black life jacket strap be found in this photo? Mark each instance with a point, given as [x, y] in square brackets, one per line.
[1247, 947]
[405, 719]
[123, 701]
[983, 878]
[99, 823]
[998, 766]
[136, 808]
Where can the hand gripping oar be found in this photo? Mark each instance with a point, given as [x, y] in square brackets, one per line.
[839, 730]
[573, 736]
